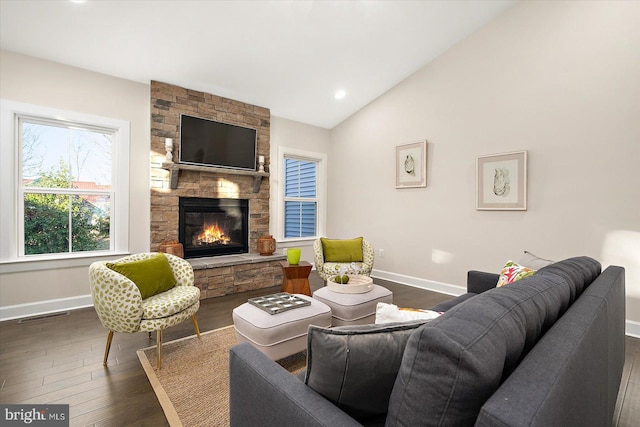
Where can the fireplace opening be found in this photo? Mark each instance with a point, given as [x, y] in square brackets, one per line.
[213, 227]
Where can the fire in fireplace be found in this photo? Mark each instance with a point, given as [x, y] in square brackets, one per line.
[212, 227]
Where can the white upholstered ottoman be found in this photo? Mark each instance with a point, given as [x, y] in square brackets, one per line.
[353, 309]
[279, 335]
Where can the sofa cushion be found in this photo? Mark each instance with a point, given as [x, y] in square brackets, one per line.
[454, 363]
[342, 250]
[448, 305]
[151, 275]
[579, 272]
[340, 365]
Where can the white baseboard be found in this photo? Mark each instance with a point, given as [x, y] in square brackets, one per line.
[632, 327]
[44, 307]
[53, 306]
[417, 282]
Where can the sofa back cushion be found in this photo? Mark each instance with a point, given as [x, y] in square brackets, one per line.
[341, 365]
[572, 375]
[453, 364]
[579, 272]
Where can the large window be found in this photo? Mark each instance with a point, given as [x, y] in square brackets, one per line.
[65, 189]
[65, 181]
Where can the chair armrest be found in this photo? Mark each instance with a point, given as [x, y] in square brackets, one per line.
[107, 288]
[367, 256]
[318, 255]
[480, 281]
[262, 393]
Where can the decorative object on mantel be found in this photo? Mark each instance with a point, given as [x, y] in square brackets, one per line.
[411, 165]
[501, 182]
[172, 247]
[266, 245]
[168, 145]
[260, 163]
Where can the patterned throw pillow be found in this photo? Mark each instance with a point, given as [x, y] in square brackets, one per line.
[512, 272]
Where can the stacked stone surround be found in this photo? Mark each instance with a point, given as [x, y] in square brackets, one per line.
[167, 103]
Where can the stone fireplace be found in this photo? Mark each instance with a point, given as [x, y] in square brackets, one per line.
[213, 227]
[225, 273]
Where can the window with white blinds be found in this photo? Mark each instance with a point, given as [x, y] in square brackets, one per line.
[300, 197]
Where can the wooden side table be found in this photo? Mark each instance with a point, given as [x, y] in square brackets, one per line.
[295, 279]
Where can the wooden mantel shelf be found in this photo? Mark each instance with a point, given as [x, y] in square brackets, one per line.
[174, 169]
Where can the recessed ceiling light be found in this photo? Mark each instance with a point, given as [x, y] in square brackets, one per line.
[78, 1]
[340, 94]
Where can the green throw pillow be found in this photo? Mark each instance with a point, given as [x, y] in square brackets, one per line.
[152, 275]
[349, 250]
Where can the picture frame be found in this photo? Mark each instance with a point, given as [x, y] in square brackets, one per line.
[411, 165]
[501, 182]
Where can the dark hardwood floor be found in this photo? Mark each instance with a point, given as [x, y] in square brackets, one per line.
[58, 359]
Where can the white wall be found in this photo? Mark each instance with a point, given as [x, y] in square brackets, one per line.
[30, 80]
[559, 79]
[300, 136]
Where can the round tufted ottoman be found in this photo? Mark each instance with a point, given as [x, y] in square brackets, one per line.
[279, 335]
[353, 309]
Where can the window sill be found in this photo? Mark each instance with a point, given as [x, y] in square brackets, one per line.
[24, 265]
[293, 241]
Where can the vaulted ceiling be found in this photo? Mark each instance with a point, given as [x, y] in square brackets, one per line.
[289, 56]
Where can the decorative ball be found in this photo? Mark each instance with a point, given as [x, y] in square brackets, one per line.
[343, 280]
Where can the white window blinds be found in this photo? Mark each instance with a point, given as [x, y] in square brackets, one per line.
[300, 198]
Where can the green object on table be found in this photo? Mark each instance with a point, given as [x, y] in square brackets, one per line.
[293, 256]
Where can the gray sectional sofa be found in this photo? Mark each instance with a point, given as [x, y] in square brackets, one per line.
[547, 350]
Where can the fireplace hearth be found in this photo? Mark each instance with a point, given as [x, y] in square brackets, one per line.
[213, 227]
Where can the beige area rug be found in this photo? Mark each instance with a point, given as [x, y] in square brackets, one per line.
[193, 384]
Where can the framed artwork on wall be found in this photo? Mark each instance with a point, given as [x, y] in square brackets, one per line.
[501, 182]
[411, 165]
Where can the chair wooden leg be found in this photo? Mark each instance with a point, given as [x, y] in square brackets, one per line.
[106, 350]
[159, 347]
[195, 325]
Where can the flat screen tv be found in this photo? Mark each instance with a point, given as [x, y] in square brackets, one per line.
[210, 143]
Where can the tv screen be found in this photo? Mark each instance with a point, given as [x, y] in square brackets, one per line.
[211, 143]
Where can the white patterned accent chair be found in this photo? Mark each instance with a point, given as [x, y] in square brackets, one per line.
[327, 269]
[121, 308]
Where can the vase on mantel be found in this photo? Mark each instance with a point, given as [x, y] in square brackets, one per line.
[266, 245]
